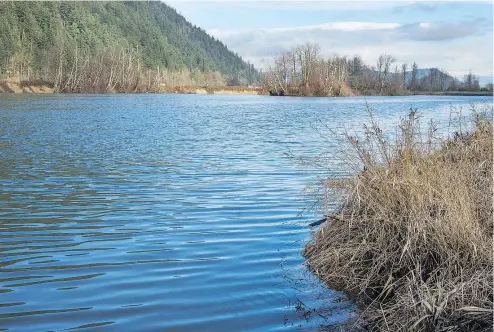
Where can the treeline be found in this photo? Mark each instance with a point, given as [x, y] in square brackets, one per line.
[111, 46]
[305, 71]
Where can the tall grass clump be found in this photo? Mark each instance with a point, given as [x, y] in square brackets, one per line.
[412, 239]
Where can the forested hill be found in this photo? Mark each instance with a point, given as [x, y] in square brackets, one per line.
[44, 38]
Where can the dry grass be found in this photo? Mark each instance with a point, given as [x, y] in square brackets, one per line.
[195, 89]
[412, 241]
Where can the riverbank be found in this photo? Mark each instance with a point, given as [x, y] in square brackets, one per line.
[230, 90]
[12, 86]
[353, 93]
[37, 86]
[412, 240]
[457, 93]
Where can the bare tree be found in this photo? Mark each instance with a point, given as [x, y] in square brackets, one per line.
[396, 81]
[471, 82]
[383, 66]
[307, 55]
[404, 76]
[433, 79]
[443, 80]
[413, 79]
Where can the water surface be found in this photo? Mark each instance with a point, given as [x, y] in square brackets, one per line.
[168, 212]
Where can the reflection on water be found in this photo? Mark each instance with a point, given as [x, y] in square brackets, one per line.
[166, 212]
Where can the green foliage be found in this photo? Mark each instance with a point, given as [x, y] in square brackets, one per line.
[33, 33]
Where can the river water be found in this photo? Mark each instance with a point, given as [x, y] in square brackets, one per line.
[169, 212]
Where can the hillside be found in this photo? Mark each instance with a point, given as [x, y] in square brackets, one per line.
[55, 41]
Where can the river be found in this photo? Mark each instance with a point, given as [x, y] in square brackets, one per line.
[170, 212]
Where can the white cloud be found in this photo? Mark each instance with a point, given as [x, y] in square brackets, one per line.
[193, 6]
[330, 26]
[284, 5]
[441, 30]
[289, 5]
[454, 45]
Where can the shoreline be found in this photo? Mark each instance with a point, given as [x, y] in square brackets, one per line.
[413, 93]
[10, 86]
[41, 87]
[457, 93]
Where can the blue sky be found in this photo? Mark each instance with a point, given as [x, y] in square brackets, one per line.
[456, 36]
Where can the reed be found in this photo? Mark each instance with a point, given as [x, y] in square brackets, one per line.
[412, 239]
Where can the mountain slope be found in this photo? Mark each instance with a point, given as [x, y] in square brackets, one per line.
[33, 35]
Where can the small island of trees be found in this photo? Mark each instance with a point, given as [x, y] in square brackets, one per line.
[304, 71]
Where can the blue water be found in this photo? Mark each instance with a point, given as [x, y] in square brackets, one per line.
[170, 212]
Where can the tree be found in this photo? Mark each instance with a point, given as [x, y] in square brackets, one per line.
[355, 66]
[234, 81]
[303, 71]
[404, 76]
[433, 78]
[471, 82]
[307, 55]
[443, 80]
[383, 65]
[396, 81]
[56, 42]
[413, 79]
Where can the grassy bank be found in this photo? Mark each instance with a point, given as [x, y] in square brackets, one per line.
[38, 86]
[14, 86]
[412, 240]
[347, 92]
[193, 89]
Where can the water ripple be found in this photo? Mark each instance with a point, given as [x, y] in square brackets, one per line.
[166, 212]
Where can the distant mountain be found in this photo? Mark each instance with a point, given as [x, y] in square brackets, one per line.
[424, 72]
[34, 33]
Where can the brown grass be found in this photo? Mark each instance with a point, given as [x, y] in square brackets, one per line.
[412, 240]
[192, 89]
[32, 86]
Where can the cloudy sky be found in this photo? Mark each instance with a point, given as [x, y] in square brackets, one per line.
[453, 35]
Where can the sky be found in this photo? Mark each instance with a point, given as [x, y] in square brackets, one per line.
[456, 36]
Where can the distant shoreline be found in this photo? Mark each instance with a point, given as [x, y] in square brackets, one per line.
[10, 86]
[457, 93]
[409, 93]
